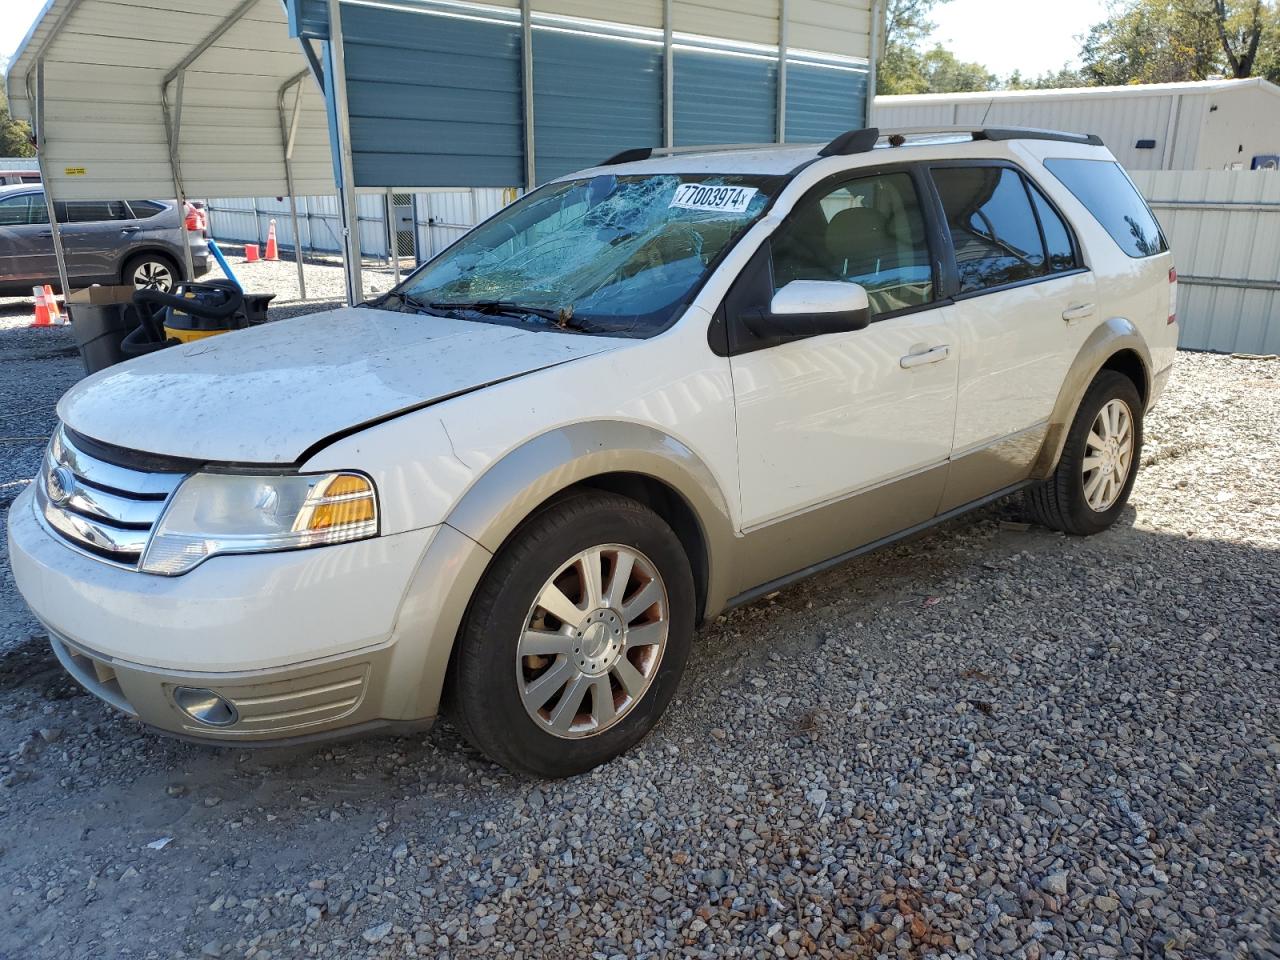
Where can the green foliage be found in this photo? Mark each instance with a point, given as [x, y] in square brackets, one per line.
[906, 68]
[1162, 41]
[15, 135]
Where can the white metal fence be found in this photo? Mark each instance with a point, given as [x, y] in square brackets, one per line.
[439, 218]
[1224, 228]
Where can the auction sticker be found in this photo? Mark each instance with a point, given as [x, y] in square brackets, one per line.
[701, 196]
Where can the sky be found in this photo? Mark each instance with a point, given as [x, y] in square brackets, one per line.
[1033, 36]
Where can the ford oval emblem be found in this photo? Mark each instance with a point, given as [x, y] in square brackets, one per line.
[61, 484]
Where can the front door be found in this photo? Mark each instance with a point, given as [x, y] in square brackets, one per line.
[26, 240]
[824, 419]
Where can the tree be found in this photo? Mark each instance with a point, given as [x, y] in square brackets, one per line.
[1067, 76]
[1152, 41]
[1240, 33]
[905, 68]
[15, 135]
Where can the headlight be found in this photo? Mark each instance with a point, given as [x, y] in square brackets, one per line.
[213, 513]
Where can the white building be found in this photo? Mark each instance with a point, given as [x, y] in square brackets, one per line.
[1210, 125]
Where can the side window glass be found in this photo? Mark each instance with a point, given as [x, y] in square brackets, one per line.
[993, 229]
[1057, 238]
[96, 211]
[868, 231]
[15, 211]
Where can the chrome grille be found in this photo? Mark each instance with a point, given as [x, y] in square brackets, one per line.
[103, 508]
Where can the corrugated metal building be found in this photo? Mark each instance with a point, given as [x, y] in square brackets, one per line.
[1211, 125]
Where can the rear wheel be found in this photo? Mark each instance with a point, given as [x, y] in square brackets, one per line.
[576, 637]
[1099, 463]
[150, 271]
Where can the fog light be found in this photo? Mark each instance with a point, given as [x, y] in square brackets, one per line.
[205, 706]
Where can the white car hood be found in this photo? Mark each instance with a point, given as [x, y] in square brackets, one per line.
[268, 394]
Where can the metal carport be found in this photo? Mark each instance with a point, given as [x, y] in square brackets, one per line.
[144, 98]
[135, 99]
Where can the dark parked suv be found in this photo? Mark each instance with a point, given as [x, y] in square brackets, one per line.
[135, 242]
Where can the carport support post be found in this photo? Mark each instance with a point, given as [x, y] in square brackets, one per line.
[784, 14]
[340, 124]
[668, 80]
[42, 163]
[873, 58]
[288, 135]
[172, 132]
[526, 83]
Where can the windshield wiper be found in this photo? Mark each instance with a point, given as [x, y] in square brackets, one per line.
[406, 300]
[561, 318]
[505, 307]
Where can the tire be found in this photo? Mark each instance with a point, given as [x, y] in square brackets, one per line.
[1063, 502]
[493, 690]
[148, 271]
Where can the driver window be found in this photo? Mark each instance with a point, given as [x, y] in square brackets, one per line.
[993, 227]
[868, 231]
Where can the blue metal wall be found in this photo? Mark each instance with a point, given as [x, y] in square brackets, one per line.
[592, 96]
[823, 101]
[436, 100]
[724, 98]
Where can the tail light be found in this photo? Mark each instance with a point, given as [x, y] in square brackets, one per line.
[196, 221]
[1173, 295]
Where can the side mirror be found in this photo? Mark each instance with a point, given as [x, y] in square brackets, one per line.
[810, 308]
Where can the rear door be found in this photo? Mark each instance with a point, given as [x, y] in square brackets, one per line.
[1024, 304]
[94, 234]
[26, 241]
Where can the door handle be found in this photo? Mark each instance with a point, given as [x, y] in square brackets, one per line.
[935, 355]
[128, 229]
[45, 235]
[1078, 312]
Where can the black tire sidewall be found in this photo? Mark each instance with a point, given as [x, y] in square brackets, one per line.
[1107, 386]
[484, 687]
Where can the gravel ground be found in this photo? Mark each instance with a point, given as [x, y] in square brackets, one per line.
[990, 741]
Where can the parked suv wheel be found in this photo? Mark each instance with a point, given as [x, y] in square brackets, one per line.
[150, 271]
[576, 637]
[1099, 462]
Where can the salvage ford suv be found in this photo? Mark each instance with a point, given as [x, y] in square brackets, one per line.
[641, 395]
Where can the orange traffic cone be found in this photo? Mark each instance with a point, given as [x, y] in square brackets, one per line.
[250, 253]
[55, 312]
[273, 252]
[42, 309]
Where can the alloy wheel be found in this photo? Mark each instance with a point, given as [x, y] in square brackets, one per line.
[153, 275]
[593, 641]
[1108, 455]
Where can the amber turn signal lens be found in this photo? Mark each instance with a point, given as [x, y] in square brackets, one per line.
[342, 500]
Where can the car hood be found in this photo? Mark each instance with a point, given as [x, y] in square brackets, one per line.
[269, 394]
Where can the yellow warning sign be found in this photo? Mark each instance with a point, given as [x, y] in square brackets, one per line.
[74, 171]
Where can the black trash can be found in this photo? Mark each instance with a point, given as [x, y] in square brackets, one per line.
[101, 317]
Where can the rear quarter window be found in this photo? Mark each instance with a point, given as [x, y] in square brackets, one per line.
[142, 209]
[1107, 193]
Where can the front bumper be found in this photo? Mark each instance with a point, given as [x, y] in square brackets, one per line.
[303, 643]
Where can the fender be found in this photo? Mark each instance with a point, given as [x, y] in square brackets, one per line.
[1108, 339]
[509, 491]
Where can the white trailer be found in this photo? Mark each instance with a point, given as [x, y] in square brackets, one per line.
[1209, 125]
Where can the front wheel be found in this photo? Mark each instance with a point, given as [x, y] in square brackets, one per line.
[1099, 462]
[576, 637]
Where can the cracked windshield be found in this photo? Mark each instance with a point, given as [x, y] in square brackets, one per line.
[609, 254]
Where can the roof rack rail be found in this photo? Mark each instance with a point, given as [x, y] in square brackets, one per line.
[860, 141]
[645, 153]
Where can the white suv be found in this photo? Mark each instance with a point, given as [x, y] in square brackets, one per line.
[641, 395]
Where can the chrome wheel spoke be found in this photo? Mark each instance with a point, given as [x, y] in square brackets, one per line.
[537, 693]
[602, 708]
[645, 598]
[1096, 442]
[632, 680]
[553, 600]
[592, 590]
[1091, 463]
[624, 563]
[544, 643]
[646, 634]
[1092, 484]
[570, 702]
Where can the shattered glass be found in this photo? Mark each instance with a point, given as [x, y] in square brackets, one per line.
[610, 252]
